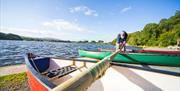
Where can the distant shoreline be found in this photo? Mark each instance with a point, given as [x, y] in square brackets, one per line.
[10, 36]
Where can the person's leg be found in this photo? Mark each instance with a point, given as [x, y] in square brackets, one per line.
[124, 48]
[117, 46]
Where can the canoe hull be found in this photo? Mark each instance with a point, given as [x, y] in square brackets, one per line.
[138, 58]
[35, 80]
[143, 51]
[159, 51]
[34, 84]
[45, 73]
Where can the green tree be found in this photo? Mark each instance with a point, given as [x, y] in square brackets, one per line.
[165, 33]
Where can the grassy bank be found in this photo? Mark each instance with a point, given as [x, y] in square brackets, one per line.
[14, 82]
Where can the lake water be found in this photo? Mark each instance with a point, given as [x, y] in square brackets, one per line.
[12, 52]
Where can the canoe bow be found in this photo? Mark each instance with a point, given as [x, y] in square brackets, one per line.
[82, 81]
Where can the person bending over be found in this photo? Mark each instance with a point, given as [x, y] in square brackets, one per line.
[121, 41]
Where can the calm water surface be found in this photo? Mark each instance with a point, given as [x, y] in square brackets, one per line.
[12, 52]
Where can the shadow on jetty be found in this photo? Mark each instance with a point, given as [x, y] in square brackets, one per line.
[157, 69]
[137, 79]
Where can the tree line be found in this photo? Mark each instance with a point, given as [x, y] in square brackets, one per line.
[163, 34]
[10, 36]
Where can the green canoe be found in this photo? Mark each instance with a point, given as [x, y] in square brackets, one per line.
[138, 58]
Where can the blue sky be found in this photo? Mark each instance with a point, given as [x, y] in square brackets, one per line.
[81, 19]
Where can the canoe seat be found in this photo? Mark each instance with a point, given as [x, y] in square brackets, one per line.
[60, 72]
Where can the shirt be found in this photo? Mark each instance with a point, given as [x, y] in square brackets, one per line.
[120, 40]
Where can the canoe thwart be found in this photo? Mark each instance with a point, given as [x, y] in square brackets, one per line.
[60, 71]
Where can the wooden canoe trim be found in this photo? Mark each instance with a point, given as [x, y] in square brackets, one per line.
[84, 64]
[82, 81]
[74, 62]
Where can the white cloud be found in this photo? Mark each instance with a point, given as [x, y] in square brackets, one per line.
[126, 9]
[37, 33]
[63, 25]
[59, 29]
[22, 31]
[84, 9]
[43, 33]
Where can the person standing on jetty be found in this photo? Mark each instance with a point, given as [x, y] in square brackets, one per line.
[121, 41]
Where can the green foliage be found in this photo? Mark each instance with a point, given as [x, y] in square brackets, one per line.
[163, 34]
[14, 82]
[113, 42]
[10, 36]
[4, 36]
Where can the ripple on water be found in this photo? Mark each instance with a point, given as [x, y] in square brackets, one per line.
[12, 52]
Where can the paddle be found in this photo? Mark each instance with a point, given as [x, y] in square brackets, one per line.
[117, 51]
[83, 80]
